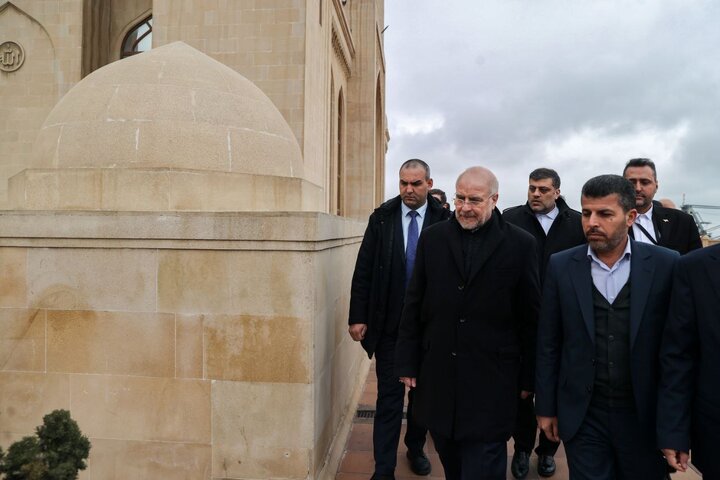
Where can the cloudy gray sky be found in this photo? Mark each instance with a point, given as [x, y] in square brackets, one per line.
[576, 85]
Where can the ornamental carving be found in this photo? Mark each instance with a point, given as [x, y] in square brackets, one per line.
[12, 56]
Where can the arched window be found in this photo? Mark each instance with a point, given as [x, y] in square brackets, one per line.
[138, 39]
[340, 168]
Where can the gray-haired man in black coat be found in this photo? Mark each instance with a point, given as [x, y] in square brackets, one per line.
[467, 334]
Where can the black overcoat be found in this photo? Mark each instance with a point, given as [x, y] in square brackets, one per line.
[566, 231]
[689, 399]
[470, 340]
[376, 274]
[677, 230]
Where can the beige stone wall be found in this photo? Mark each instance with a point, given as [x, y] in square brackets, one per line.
[365, 139]
[50, 34]
[263, 40]
[316, 111]
[208, 357]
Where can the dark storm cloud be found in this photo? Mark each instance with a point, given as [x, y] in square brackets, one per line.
[578, 86]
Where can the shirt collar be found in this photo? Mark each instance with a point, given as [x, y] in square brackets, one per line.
[421, 210]
[647, 214]
[551, 214]
[625, 256]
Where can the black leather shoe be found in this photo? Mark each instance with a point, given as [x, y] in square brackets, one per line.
[419, 463]
[376, 476]
[520, 465]
[546, 465]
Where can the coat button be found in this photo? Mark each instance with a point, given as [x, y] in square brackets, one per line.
[611, 364]
[593, 361]
[611, 337]
[461, 286]
[462, 320]
[453, 354]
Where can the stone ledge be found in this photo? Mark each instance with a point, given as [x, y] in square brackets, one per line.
[300, 231]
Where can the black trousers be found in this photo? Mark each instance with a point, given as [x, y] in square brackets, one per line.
[389, 411]
[471, 460]
[526, 430]
[611, 445]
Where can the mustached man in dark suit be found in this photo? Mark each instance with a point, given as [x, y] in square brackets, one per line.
[601, 323]
[382, 270]
[689, 398]
[556, 227]
[467, 334]
[667, 227]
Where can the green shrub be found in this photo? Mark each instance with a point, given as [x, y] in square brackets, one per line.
[58, 451]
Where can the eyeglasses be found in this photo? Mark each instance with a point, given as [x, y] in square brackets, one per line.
[460, 200]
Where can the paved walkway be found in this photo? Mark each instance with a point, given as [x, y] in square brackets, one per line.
[357, 462]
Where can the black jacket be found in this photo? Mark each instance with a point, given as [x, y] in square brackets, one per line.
[566, 231]
[565, 369]
[677, 229]
[689, 398]
[376, 274]
[469, 339]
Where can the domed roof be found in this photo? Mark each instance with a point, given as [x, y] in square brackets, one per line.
[172, 107]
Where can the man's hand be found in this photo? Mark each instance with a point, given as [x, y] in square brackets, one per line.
[525, 394]
[357, 331]
[676, 459]
[549, 425]
[410, 382]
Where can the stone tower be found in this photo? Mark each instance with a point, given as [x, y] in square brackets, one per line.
[174, 273]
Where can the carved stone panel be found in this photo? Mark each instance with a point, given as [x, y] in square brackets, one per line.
[12, 56]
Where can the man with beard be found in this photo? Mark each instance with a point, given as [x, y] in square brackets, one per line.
[603, 314]
[467, 334]
[656, 224]
[384, 265]
[556, 227]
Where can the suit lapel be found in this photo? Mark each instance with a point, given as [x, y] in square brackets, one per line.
[455, 245]
[582, 282]
[660, 222]
[431, 217]
[400, 244]
[642, 267]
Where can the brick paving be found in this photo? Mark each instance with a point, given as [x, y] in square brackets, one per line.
[357, 462]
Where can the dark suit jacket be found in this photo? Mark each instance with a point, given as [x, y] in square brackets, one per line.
[469, 340]
[689, 399]
[380, 268]
[676, 228]
[566, 231]
[566, 334]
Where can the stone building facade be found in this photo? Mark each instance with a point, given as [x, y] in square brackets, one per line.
[178, 228]
[320, 61]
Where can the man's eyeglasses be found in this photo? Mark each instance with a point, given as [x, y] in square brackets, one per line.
[460, 200]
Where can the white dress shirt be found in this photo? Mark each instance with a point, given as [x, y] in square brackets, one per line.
[644, 219]
[546, 219]
[610, 280]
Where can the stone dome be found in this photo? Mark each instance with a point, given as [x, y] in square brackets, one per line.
[172, 107]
